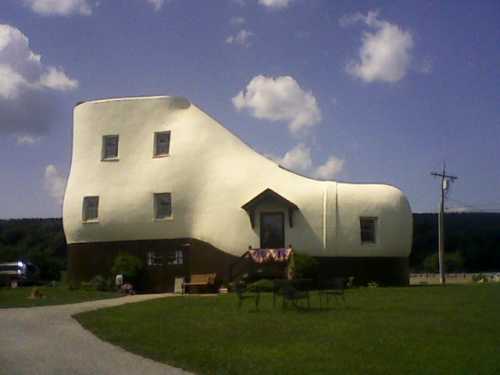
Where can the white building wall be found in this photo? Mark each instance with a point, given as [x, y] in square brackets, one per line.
[211, 174]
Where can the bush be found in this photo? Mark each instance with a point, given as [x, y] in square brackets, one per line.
[372, 284]
[99, 283]
[263, 285]
[111, 284]
[480, 278]
[128, 265]
[73, 285]
[454, 262]
[87, 286]
[431, 263]
[350, 282]
[305, 267]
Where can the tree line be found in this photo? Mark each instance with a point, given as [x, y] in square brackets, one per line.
[472, 243]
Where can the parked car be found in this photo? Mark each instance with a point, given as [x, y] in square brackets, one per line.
[18, 273]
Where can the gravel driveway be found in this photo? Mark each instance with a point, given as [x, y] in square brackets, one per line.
[46, 340]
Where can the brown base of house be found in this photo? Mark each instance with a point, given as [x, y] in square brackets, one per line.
[86, 260]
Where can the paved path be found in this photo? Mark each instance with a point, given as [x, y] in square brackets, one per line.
[46, 340]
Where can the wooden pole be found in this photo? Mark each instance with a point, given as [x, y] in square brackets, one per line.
[444, 186]
[442, 271]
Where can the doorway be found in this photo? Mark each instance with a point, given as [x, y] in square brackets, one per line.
[272, 230]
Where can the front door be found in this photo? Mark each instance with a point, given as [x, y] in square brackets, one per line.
[272, 230]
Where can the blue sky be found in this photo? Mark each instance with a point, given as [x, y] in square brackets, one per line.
[364, 91]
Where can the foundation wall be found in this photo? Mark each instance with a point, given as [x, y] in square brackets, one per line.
[86, 260]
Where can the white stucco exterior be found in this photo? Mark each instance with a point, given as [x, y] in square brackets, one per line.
[211, 174]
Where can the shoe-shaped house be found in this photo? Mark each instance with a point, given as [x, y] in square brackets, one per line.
[159, 178]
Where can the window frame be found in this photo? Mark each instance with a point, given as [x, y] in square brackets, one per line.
[103, 147]
[177, 258]
[156, 135]
[156, 196]
[374, 221]
[153, 259]
[85, 218]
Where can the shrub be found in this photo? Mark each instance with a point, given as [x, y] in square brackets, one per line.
[454, 262]
[263, 285]
[350, 282]
[128, 265]
[431, 263]
[99, 283]
[305, 266]
[372, 284]
[87, 286]
[110, 283]
[479, 278]
[73, 285]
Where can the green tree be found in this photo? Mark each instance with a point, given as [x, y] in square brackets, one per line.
[454, 262]
[128, 265]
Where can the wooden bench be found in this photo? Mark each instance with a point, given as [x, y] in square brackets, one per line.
[202, 280]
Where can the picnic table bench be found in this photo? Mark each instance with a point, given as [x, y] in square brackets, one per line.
[201, 280]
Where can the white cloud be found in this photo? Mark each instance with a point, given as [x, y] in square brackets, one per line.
[21, 68]
[60, 7]
[27, 139]
[11, 82]
[26, 85]
[279, 99]
[426, 66]
[331, 168]
[56, 79]
[18, 64]
[237, 21]
[385, 53]
[157, 4]
[241, 38]
[275, 4]
[54, 182]
[299, 159]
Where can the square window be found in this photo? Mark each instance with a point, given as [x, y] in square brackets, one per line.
[163, 205]
[176, 257]
[90, 208]
[368, 226]
[153, 259]
[109, 147]
[162, 143]
[179, 257]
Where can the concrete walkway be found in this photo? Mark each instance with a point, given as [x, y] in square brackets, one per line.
[46, 340]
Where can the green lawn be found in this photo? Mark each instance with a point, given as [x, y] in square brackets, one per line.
[18, 297]
[415, 330]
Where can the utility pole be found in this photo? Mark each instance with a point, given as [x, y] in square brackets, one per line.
[444, 187]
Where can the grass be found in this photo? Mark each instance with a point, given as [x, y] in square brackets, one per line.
[415, 330]
[59, 295]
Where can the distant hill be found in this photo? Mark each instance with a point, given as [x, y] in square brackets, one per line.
[472, 242]
[475, 236]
